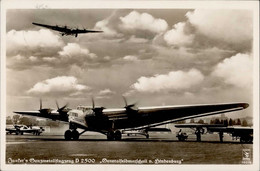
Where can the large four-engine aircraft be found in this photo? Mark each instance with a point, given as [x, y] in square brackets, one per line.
[112, 122]
[67, 31]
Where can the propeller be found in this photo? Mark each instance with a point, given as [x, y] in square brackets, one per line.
[63, 111]
[131, 107]
[93, 102]
[62, 108]
[44, 110]
[40, 104]
[96, 110]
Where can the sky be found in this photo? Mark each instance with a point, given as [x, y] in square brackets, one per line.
[153, 57]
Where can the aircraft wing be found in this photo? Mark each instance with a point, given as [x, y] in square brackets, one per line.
[86, 31]
[155, 116]
[54, 115]
[197, 125]
[57, 28]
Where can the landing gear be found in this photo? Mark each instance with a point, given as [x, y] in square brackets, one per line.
[74, 134]
[246, 139]
[221, 136]
[118, 135]
[111, 135]
[68, 135]
[198, 134]
[17, 132]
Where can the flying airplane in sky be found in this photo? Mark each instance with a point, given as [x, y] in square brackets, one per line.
[113, 122]
[67, 31]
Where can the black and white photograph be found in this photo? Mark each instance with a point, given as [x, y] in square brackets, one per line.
[126, 85]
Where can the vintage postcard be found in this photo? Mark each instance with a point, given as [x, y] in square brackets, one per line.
[123, 85]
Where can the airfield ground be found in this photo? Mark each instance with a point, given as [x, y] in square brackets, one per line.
[95, 149]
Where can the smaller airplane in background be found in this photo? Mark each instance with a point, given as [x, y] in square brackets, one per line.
[67, 31]
[245, 134]
[21, 129]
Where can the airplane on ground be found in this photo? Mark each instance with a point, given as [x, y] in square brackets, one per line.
[113, 122]
[21, 129]
[67, 31]
[245, 134]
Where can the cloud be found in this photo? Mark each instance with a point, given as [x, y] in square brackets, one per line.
[24, 41]
[104, 26]
[69, 55]
[74, 50]
[231, 26]
[106, 92]
[130, 58]
[134, 39]
[61, 85]
[236, 70]
[177, 35]
[175, 80]
[143, 21]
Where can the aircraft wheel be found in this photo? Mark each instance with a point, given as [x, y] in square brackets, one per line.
[21, 133]
[68, 135]
[118, 135]
[17, 132]
[147, 136]
[110, 136]
[180, 139]
[242, 139]
[75, 135]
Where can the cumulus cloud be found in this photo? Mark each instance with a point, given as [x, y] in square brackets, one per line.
[143, 21]
[104, 26]
[177, 35]
[58, 85]
[175, 80]
[106, 92]
[74, 50]
[232, 26]
[237, 70]
[23, 41]
[130, 58]
[134, 39]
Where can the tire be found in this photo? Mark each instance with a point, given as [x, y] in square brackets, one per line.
[75, 135]
[118, 135]
[68, 135]
[110, 136]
